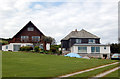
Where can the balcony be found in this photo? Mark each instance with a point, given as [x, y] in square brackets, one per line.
[19, 40]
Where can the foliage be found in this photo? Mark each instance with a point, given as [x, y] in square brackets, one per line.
[26, 48]
[55, 49]
[36, 49]
[48, 39]
[48, 52]
[3, 42]
[115, 48]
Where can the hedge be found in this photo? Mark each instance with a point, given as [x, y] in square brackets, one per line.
[26, 48]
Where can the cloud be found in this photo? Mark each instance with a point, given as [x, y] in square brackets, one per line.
[58, 19]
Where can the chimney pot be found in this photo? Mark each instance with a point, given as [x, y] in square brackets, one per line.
[75, 30]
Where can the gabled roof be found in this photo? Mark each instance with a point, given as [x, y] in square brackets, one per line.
[80, 34]
[27, 25]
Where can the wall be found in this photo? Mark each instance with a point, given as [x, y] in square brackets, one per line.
[74, 49]
[48, 46]
[102, 50]
[10, 46]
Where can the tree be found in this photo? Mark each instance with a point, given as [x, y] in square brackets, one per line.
[48, 39]
[115, 48]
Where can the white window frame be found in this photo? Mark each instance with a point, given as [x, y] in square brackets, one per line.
[6, 47]
[82, 48]
[24, 38]
[78, 40]
[95, 49]
[34, 38]
[93, 41]
[30, 29]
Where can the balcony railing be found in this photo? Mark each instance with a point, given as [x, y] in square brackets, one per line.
[19, 40]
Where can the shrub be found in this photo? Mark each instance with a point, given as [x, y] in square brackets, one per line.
[48, 52]
[26, 48]
[36, 49]
[53, 49]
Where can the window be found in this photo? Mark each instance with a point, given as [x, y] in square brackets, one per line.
[78, 40]
[95, 49]
[104, 47]
[41, 46]
[6, 47]
[82, 49]
[36, 38]
[30, 28]
[24, 38]
[91, 41]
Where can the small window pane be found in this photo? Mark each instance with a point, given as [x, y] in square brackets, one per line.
[78, 40]
[6, 47]
[91, 41]
[24, 38]
[30, 28]
[97, 49]
[92, 49]
[36, 38]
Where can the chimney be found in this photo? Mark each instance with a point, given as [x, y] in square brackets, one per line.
[75, 30]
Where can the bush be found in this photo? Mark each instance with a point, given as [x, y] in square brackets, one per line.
[53, 49]
[26, 48]
[36, 49]
[48, 52]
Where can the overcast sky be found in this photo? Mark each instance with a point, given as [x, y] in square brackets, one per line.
[57, 19]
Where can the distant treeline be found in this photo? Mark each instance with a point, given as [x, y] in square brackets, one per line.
[4, 41]
[115, 48]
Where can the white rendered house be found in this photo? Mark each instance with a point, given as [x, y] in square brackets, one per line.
[85, 44]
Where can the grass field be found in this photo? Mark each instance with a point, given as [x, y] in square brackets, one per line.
[114, 74]
[19, 64]
[95, 72]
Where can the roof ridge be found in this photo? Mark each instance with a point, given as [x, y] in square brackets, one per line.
[80, 34]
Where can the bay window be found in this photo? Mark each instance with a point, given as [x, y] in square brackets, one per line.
[95, 49]
[82, 49]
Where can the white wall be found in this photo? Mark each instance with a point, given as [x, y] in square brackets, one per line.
[74, 49]
[48, 46]
[105, 51]
[10, 46]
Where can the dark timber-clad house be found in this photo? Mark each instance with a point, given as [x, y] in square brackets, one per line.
[85, 44]
[29, 35]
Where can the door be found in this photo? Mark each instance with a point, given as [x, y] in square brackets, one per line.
[105, 56]
[16, 47]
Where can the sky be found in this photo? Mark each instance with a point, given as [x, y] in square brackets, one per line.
[58, 18]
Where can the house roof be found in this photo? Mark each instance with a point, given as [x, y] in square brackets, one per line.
[27, 25]
[80, 34]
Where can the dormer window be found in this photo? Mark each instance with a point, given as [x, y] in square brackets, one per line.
[30, 29]
[78, 40]
[91, 41]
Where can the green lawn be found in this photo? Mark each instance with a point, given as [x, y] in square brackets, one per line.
[95, 72]
[19, 64]
[114, 74]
